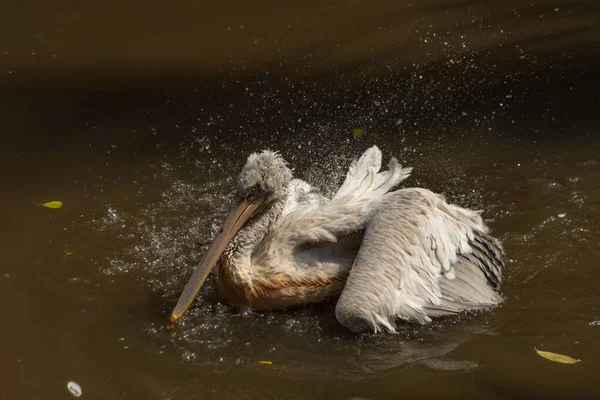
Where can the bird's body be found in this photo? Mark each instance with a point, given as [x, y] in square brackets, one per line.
[404, 254]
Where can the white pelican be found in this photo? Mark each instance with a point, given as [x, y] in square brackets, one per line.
[405, 254]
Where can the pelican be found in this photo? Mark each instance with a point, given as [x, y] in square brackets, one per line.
[388, 255]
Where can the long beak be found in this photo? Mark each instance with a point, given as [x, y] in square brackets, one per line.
[241, 212]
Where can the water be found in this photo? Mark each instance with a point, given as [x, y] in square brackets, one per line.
[139, 118]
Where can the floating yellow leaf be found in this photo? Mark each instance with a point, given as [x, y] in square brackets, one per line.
[559, 358]
[69, 253]
[53, 204]
[357, 132]
[265, 362]
[399, 122]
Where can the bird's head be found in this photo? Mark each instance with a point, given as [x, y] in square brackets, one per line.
[264, 179]
[265, 175]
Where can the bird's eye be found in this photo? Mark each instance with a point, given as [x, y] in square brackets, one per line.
[253, 191]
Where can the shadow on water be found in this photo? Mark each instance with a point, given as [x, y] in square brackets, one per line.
[140, 118]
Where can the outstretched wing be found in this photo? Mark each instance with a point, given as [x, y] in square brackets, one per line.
[420, 257]
[326, 221]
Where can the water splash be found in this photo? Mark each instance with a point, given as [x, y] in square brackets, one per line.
[164, 239]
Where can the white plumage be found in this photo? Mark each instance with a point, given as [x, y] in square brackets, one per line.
[405, 254]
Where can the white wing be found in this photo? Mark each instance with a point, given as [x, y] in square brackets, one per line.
[364, 182]
[420, 257]
[319, 221]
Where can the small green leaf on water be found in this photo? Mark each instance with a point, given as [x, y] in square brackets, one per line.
[559, 358]
[357, 132]
[399, 122]
[265, 362]
[53, 204]
[69, 253]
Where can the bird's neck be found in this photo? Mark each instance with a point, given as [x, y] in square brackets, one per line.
[249, 237]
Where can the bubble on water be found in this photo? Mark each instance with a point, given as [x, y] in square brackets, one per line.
[595, 323]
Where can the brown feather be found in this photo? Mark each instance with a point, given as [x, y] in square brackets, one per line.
[276, 290]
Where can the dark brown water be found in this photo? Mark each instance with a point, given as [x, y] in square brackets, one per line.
[138, 117]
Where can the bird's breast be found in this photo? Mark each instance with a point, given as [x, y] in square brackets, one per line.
[233, 286]
[267, 288]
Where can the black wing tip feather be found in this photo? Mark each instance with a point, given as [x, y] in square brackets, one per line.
[490, 254]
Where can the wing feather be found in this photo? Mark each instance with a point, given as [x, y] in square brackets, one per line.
[310, 223]
[420, 257]
[301, 194]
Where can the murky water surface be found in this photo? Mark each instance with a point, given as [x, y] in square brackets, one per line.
[139, 118]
